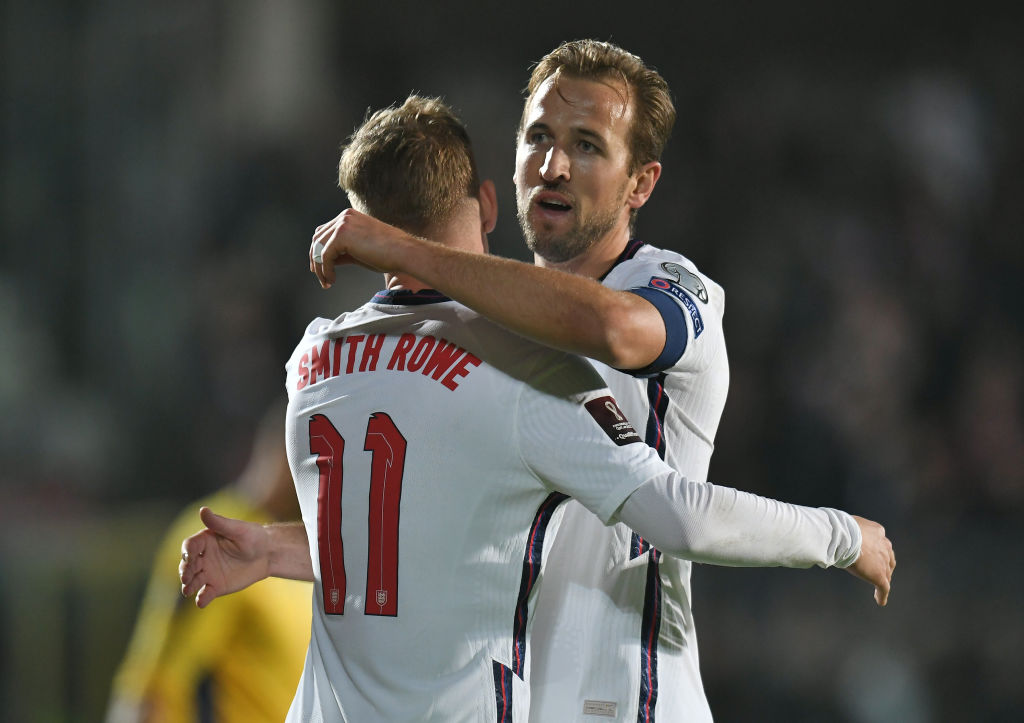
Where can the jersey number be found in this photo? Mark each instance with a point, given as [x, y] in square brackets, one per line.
[387, 446]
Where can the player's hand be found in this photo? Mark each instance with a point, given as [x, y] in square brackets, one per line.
[354, 238]
[877, 559]
[227, 556]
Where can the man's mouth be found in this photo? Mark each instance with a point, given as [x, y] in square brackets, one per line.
[552, 202]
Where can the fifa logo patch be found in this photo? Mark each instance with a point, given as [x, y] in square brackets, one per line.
[667, 286]
[610, 418]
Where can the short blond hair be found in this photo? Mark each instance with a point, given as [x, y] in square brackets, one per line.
[410, 165]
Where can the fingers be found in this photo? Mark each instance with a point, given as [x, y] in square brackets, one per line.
[316, 264]
[882, 594]
[877, 559]
[316, 248]
[190, 581]
[226, 529]
[191, 570]
[195, 582]
[323, 250]
[217, 523]
[331, 243]
[889, 564]
[192, 549]
[205, 596]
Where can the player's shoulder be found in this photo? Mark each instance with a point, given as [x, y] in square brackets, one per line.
[664, 262]
[519, 359]
[322, 328]
[648, 265]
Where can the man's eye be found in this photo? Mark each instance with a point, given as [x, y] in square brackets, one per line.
[587, 147]
[538, 137]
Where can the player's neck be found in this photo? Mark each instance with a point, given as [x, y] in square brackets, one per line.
[403, 282]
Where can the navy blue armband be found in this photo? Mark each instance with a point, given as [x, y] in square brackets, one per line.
[675, 332]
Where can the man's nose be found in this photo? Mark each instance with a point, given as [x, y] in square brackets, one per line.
[555, 166]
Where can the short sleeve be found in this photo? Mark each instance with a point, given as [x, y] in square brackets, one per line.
[676, 333]
[579, 442]
[690, 304]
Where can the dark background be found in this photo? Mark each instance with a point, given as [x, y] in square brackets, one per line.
[851, 175]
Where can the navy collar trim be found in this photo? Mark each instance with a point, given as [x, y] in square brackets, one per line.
[629, 252]
[404, 297]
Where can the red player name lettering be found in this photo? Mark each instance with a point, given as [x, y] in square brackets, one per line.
[437, 359]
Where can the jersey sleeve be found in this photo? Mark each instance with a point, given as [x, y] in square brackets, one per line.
[690, 305]
[572, 435]
[579, 442]
[719, 525]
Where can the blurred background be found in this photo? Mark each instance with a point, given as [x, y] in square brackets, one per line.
[851, 175]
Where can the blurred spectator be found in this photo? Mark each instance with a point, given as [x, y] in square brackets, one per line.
[240, 659]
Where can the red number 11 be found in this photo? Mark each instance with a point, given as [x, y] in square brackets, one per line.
[387, 446]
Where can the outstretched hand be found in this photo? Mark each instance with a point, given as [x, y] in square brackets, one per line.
[226, 557]
[354, 238]
[877, 559]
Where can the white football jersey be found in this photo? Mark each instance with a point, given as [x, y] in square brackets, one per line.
[614, 632]
[430, 450]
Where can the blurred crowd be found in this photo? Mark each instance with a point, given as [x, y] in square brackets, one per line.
[855, 188]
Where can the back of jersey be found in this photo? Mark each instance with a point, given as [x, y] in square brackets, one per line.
[425, 511]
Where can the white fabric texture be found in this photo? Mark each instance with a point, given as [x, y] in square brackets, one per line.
[723, 526]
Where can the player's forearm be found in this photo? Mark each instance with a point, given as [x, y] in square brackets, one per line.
[288, 552]
[723, 526]
[560, 310]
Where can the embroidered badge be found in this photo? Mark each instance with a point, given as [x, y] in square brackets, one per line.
[687, 279]
[607, 414]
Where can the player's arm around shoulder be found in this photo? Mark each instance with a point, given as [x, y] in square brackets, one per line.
[683, 311]
[634, 331]
[558, 309]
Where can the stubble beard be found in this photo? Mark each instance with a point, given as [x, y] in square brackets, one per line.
[559, 248]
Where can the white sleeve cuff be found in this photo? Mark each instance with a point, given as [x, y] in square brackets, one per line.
[845, 546]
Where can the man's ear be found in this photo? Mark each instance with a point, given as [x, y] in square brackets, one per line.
[488, 206]
[645, 180]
